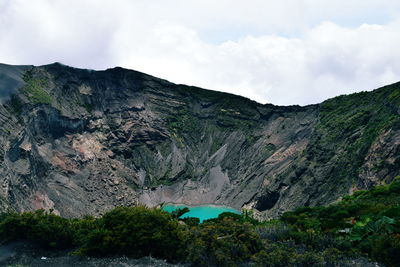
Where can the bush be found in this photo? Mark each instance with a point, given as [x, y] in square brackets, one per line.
[395, 185]
[222, 243]
[283, 256]
[136, 232]
[46, 229]
[176, 214]
[386, 249]
[275, 232]
[191, 221]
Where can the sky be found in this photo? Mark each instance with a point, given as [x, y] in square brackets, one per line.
[281, 52]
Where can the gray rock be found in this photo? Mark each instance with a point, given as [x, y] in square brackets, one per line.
[82, 142]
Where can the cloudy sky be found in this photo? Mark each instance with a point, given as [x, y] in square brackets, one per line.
[281, 52]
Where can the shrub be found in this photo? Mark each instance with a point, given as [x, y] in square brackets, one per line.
[136, 232]
[191, 221]
[283, 256]
[222, 243]
[275, 232]
[46, 229]
[386, 249]
[179, 212]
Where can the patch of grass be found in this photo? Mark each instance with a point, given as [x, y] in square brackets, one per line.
[232, 118]
[34, 90]
[183, 124]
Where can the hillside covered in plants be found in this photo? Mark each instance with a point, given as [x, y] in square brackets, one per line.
[360, 230]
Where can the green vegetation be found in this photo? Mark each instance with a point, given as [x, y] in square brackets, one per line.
[179, 212]
[87, 106]
[201, 94]
[369, 220]
[226, 111]
[216, 144]
[33, 89]
[16, 105]
[135, 232]
[223, 242]
[183, 122]
[45, 229]
[365, 224]
[268, 150]
[348, 126]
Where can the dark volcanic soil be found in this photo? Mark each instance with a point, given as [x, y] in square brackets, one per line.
[25, 254]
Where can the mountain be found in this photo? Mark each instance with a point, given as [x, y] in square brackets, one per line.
[81, 142]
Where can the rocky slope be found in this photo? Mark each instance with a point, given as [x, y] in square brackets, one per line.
[81, 142]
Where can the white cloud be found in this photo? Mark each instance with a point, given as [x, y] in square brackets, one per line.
[284, 52]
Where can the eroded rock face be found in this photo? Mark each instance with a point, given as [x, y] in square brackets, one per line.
[81, 142]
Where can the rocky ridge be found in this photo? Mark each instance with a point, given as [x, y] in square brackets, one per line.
[81, 142]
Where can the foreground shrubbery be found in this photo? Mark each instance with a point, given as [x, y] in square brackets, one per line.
[135, 232]
[369, 220]
[224, 242]
[364, 224]
[132, 231]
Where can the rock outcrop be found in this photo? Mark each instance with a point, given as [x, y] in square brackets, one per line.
[81, 142]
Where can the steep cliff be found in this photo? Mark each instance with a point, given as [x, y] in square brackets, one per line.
[81, 142]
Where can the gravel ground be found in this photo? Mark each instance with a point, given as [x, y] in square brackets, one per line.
[23, 254]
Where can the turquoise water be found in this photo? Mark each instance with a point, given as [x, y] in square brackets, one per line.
[201, 212]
